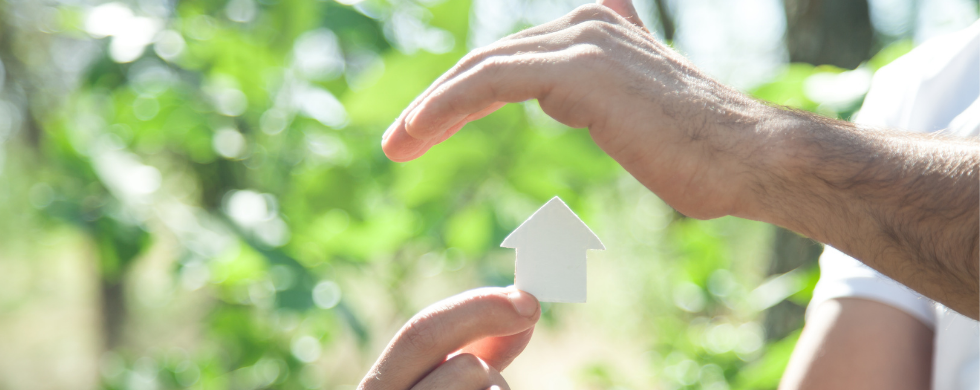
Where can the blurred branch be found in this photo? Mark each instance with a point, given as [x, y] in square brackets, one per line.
[17, 74]
[834, 32]
[666, 20]
[790, 251]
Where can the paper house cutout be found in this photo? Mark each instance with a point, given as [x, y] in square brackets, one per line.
[551, 247]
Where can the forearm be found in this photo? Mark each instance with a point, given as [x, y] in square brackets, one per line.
[904, 204]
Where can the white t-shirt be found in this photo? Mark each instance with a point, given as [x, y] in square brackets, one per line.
[932, 88]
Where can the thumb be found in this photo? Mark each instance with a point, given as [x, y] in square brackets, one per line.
[625, 9]
[499, 352]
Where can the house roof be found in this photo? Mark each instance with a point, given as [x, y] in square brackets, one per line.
[553, 224]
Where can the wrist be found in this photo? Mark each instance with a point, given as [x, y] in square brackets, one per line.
[720, 162]
[776, 165]
[807, 159]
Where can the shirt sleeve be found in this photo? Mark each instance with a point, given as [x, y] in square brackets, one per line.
[841, 276]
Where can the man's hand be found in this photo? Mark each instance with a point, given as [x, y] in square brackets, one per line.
[462, 342]
[683, 135]
[906, 205]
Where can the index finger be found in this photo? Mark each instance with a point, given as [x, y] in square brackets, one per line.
[448, 326]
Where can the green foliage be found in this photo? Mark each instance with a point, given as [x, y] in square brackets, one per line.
[890, 53]
[300, 244]
[791, 88]
[766, 373]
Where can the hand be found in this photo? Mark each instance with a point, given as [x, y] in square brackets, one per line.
[688, 138]
[904, 205]
[462, 342]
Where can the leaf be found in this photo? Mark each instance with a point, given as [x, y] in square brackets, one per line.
[469, 230]
[890, 53]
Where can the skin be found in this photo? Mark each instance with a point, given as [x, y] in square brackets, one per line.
[462, 342]
[854, 343]
[906, 205]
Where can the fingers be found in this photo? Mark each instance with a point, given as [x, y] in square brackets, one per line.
[499, 352]
[494, 81]
[408, 147]
[446, 327]
[401, 144]
[625, 9]
[422, 146]
[499, 79]
[464, 64]
[462, 372]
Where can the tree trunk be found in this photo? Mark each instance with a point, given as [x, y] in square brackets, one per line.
[113, 313]
[790, 251]
[666, 20]
[834, 32]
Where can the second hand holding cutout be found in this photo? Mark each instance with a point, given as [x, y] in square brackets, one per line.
[551, 247]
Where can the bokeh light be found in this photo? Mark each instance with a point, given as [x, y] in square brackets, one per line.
[194, 195]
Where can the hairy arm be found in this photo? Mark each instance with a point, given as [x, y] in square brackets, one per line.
[904, 204]
[907, 205]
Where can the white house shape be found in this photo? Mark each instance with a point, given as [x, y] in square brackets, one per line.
[551, 247]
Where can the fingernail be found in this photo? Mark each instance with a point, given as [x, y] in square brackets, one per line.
[525, 305]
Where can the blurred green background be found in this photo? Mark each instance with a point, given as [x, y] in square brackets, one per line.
[192, 193]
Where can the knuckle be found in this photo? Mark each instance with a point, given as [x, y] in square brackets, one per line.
[588, 51]
[590, 11]
[595, 31]
[421, 335]
[490, 65]
[594, 28]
